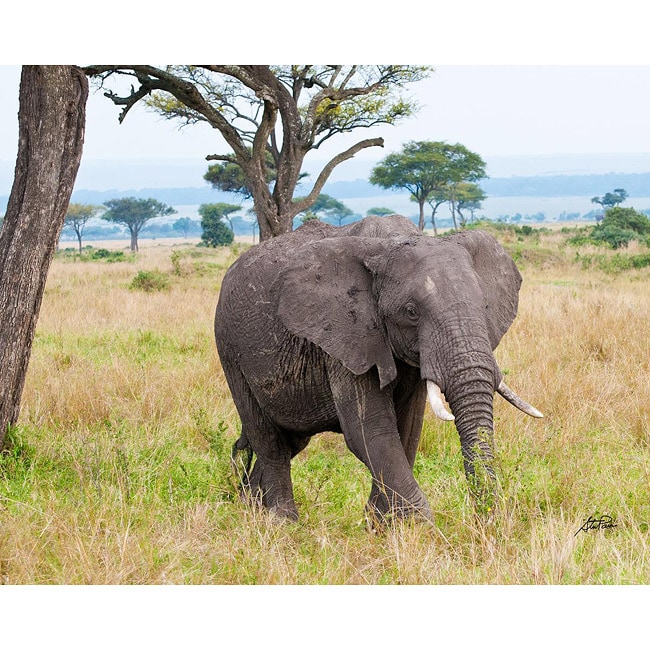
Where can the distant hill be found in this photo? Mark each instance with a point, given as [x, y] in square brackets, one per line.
[636, 185]
[589, 185]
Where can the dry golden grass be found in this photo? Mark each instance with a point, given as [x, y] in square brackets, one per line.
[120, 469]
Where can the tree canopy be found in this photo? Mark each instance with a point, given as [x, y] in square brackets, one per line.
[134, 213]
[611, 199]
[425, 168]
[379, 212]
[327, 208]
[78, 216]
[215, 232]
[284, 111]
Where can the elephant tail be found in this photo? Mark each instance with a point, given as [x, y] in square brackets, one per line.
[241, 458]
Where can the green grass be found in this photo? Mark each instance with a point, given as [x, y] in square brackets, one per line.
[119, 470]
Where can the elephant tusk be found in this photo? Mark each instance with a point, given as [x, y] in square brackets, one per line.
[512, 397]
[435, 399]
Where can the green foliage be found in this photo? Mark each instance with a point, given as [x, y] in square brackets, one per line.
[612, 235]
[627, 219]
[150, 281]
[614, 264]
[215, 232]
[185, 226]
[134, 213]
[425, 168]
[228, 176]
[309, 216]
[77, 216]
[90, 254]
[379, 212]
[327, 208]
[618, 228]
[611, 199]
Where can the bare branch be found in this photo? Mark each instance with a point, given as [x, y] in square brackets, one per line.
[306, 202]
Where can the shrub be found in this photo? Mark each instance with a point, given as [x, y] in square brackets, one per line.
[627, 219]
[613, 235]
[106, 255]
[149, 281]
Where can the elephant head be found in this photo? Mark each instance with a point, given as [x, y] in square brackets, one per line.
[441, 305]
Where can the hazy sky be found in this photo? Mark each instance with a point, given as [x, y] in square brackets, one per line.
[500, 110]
[493, 110]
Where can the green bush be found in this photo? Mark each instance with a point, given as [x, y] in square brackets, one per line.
[617, 229]
[106, 255]
[626, 219]
[613, 235]
[150, 281]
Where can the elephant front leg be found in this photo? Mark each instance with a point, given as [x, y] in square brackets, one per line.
[370, 427]
[409, 397]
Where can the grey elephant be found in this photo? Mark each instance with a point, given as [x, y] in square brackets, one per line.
[349, 329]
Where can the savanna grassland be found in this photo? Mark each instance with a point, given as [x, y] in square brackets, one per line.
[119, 471]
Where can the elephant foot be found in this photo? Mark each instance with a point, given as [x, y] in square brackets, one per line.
[265, 490]
[382, 510]
[285, 511]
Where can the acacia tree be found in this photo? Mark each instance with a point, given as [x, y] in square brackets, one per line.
[284, 111]
[215, 232]
[51, 123]
[379, 212]
[611, 199]
[468, 197]
[134, 213]
[424, 168]
[327, 207]
[78, 216]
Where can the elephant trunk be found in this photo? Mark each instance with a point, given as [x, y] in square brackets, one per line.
[468, 378]
[472, 402]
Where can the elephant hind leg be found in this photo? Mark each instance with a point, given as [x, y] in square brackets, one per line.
[269, 481]
[270, 486]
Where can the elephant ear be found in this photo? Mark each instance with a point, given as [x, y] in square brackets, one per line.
[498, 277]
[326, 296]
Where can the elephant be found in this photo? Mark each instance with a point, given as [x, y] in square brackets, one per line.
[350, 329]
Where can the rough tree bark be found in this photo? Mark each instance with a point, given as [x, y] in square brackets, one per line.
[51, 122]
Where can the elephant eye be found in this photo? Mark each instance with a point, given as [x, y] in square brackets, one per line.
[412, 311]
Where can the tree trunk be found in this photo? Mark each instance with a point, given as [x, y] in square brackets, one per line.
[421, 219]
[51, 123]
[453, 214]
[134, 240]
[433, 222]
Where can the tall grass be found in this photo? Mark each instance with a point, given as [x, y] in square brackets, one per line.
[119, 471]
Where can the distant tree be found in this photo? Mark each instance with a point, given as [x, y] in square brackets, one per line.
[77, 216]
[426, 167]
[328, 208]
[627, 219]
[134, 213]
[611, 199]
[286, 111]
[379, 212]
[309, 216]
[468, 197]
[435, 200]
[228, 176]
[51, 123]
[215, 231]
[184, 226]
[620, 226]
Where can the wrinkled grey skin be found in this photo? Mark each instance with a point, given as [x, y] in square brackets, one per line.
[337, 329]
